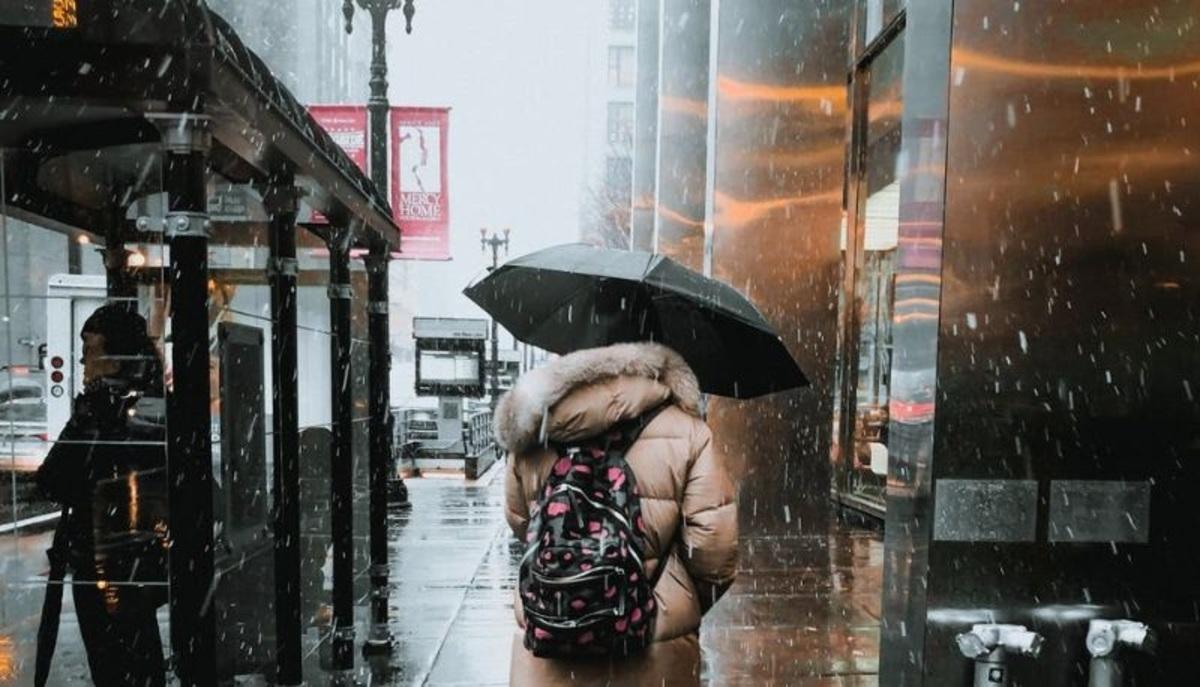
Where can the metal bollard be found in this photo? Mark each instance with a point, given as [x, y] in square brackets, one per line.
[1105, 641]
[989, 645]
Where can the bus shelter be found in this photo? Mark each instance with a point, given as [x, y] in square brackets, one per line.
[149, 159]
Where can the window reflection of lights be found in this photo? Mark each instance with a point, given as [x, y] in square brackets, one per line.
[684, 106]
[63, 14]
[915, 302]
[964, 59]
[8, 662]
[919, 279]
[134, 500]
[827, 96]
[883, 218]
[733, 212]
[915, 317]
[136, 259]
[678, 217]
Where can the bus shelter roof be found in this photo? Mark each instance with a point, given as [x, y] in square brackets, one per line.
[115, 74]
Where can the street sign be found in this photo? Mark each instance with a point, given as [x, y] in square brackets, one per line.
[449, 328]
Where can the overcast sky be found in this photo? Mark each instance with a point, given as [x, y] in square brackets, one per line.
[513, 72]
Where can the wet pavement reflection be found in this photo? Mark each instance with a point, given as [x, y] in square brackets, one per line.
[804, 611]
[453, 568]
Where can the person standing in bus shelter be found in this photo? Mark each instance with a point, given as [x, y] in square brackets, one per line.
[107, 469]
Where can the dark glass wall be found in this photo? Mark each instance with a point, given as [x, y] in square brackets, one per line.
[683, 128]
[781, 129]
[1067, 446]
[915, 340]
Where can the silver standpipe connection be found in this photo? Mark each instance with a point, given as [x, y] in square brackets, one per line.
[1106, 640]
[989, 645]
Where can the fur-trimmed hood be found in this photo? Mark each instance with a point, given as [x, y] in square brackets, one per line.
[523, 413]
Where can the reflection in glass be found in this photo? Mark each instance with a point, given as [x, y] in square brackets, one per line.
[873, 17]
[82, 430]
[876, 228]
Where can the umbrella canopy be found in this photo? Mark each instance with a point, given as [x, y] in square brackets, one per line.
[577, 296]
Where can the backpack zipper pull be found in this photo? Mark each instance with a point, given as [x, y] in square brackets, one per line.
[575, 509]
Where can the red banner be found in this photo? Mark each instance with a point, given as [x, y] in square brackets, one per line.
[420, 197]
[418, 179]
[347, 126]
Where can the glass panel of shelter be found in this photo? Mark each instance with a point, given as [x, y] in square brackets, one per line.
[314, 344]
[95, 432]
[242, 325]
[240, 330]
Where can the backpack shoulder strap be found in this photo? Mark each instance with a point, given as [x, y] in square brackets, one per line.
[643, 421]
[640, 424]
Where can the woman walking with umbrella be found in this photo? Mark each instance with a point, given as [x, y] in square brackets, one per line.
[627, 511]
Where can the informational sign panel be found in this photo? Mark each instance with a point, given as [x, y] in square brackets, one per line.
[450, 356]
[419, 193]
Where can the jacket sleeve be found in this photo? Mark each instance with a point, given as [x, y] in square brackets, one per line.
[516, 509]
[63, 476]
[710, 530]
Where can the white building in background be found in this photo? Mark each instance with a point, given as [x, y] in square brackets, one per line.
[305, 44]
[608, 168]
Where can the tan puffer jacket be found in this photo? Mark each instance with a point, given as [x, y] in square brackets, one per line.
[687, 497]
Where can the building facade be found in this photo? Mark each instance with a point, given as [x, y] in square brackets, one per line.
[973, 223]
[609, 114]
[306, 45]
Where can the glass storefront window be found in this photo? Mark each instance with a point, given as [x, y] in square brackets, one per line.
[872, 229]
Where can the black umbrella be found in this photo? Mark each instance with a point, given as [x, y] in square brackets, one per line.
[47, 635]
[577, 296]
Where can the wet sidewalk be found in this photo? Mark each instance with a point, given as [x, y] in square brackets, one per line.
[804, 611]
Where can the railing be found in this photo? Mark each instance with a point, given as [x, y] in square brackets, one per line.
[477, 433]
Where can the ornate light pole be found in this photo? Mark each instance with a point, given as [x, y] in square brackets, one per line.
[380, 640]
[377, 105]
[495, 243]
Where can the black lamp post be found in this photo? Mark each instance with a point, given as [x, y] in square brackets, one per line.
[380, 640]
[495, 243]
[377, 105]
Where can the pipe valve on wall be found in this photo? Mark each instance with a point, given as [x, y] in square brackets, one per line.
[1107, 640]
[990, 646]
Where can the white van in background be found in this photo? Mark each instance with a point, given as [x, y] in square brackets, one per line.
[71, 299]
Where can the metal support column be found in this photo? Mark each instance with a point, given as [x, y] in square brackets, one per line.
[380, 640]
[342, 491]
[281, 199]
[189, 431]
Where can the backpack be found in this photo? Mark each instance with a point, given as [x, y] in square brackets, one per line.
[583, 579]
